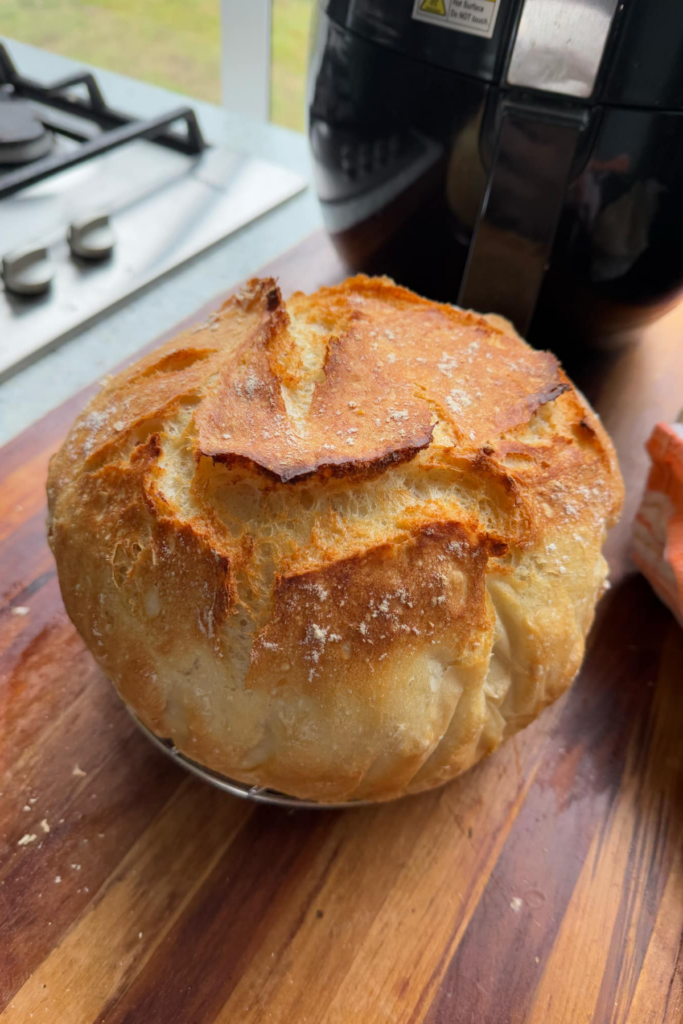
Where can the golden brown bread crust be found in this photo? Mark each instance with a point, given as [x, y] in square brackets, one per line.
[340, 547]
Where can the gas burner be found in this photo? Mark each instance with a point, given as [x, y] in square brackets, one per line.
[96, 203]
[115, 128]
[23, 136]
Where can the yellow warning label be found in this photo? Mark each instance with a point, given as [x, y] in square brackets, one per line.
[477, 17]
[434, 7]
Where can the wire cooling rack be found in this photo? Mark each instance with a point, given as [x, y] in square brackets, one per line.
[257, 793]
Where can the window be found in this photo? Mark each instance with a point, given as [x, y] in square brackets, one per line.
[172, 43]
[291, 22]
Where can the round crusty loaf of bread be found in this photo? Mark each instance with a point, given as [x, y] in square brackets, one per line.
[342, 546]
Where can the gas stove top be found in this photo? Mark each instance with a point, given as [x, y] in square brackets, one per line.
[95, 204]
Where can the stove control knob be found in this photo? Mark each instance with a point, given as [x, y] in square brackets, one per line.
[92, 238]
[27, 271]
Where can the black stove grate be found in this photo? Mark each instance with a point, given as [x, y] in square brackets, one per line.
[116, 127]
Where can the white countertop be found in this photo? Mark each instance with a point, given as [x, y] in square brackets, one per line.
[120, 333]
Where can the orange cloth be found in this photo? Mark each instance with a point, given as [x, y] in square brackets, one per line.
[658, 530]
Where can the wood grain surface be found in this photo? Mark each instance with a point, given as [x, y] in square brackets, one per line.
[544, 886]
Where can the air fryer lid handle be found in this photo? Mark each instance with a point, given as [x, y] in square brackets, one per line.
[559, 45]
[518, 219]
[558, 49]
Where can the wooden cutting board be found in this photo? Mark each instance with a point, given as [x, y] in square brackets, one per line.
[546, 885]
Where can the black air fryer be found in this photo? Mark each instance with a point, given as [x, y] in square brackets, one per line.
[508, 155]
